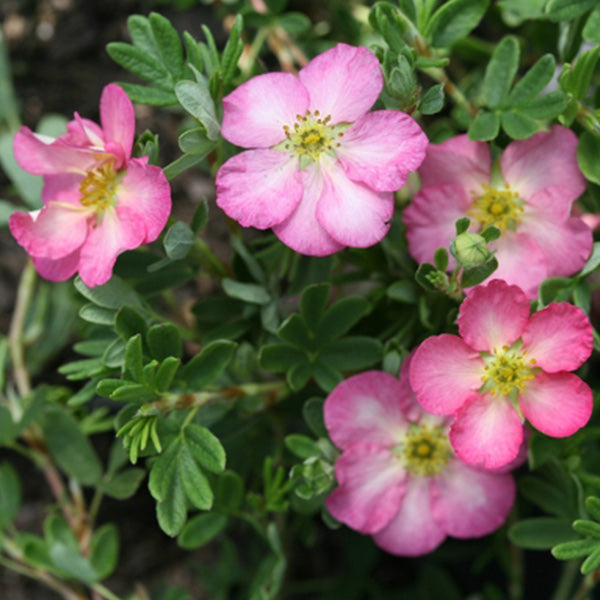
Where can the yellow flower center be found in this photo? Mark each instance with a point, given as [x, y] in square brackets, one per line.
[311, 135]
[499, 207]
[426, 450]
[508, 372]
[98, 187]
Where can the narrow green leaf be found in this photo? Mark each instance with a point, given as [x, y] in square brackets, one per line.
[313, 303]
[247, 292]
[128, 322]
[587, 528]
[279, 357]
[205, 448]
[207, 365]
[166, 372]
[301, 446]
[326, 376]
[193, 480]
[298, 375]
[567, 10]
[295, 331]
[454, 20]
[500, 72]
[518, 125]
[229, 493]
[340, 318]
[201, 529]
[142, 94]
[104, 550]
[167, 41]
[533, 82]
[137, 61]
[113, 294]
[485, 126]
[181, 164]
[192, 51]
[196, 99]
[10, 494]
[593, 505]
[591, 563]
[352, 353]
[142, 35]
[134, 359]
[541, 533]
[194, 141]
[591, 29]
[576, 549]
[73, 563]
[433, 100]
[96, 314]
[232, 51]
[124, 484]
[178, 240]
[588, 151]
[547, 106]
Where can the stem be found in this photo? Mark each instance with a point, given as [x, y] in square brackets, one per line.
[204, 255]
[567, 577]
[104, 592]
[587, 584]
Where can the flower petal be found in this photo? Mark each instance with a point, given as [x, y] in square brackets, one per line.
[493, 315]
[120, 229]
[430, 219]
[413, 531]
[117, 117]
[41, 158]
[444, 373]
[368, 407]
[57, 270]
[63, 188]
[458, 162]
[558, 404]
[381, 148]
[546, 159]
[371, 484]
[54, 232]
[353, 214]
[301, 231]
[565, 243]
[559, 337]
[343, 82]
[486, 432]
[145, 190]
[254, 113]
[466, 502]
[259, 188]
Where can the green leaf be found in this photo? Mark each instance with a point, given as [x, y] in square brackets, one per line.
[340, 318]
[70, 448]
[200, 218]
[518, 125]
[181, 164]
[10, 494]
[201, 529]
[194, 141]
[104, 550]
[301, 446]
[403, 291]
[591, 29]
[352, 353]
[591, 563]
[95, 314]
[167, 41]
[72, 563]
[142, 35]
[178, 240]
[476, 275]
[124, 484]
[128, 322]
[8, 428]
[295, 331]
[164, 340]
[533, 82]
[440, 259]
[593, 506]
[588, 151]
[433, 100]
[166, 373]
[576, 549]
[137, 61]
[545, 107]
[29, 186]
[134, 364]
[207, 365]
[229, 494]
[196, 100]
[299, 374]
[587, 528]
[232, 51]
[312, 411]
[205, 448]
[567, 10]
[279, 357]
[454, 21]
[326, 376]
[540, 533]
[141, 94]
[192, 51]
[484, 127]
[114, 294]
[247, 292]
[313, 303]
[500, 72]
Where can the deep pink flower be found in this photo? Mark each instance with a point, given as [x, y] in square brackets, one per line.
[528, 197]
[321, 171]
[97, 200]
[398, 478]
[505, 367]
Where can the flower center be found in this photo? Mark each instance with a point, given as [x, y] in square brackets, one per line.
[507, 373]
[499, 207]
[311, 135]
[98, 187]
[426, 450]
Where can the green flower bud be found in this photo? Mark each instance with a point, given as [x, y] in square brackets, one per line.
[470, 250]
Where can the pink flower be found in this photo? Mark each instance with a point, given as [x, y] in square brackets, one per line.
[321, 171]
[97, 200]
[528, 196]
[398, 478]
[505, 367]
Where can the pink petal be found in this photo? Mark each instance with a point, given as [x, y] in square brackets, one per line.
[559, 337]
[120, 229]
[63, 188]
[430, 219]
[254, 113]
[565, 243]
[486, 432]
[526, 274]
[367, 408]
[351, 213]
[493, 315]
[458, 162]
[410, 406]
[259, 188]
[558, 404]
[57, 270]
[444, 373]
[84, 133]
[54, 232]
[546, 159]
[117, 117]
[413, 531]
[371, 484]
[301, 231]
[41, 158]
[145, 190]
[381, 148]
[467, 503]
[343, 82]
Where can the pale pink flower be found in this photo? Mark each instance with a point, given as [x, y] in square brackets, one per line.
[398, 478]
[97, 200]
[321, 171]
[505, 367]
[528, 196]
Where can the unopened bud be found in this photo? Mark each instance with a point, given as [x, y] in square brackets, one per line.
[470, 250]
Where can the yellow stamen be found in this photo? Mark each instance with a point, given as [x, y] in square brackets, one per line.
[426, 450]
[99, 186]
[499, 207]
[508, 372]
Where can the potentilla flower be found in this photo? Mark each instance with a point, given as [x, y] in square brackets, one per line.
[97, 200]
[505, 367]
[528, 196]
[322, 171]
[398, 478]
